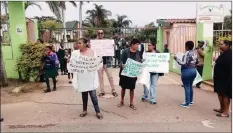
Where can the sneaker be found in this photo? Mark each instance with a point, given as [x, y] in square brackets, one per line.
[152, 102]
[191, 103]
[143, 99]
[184, 105]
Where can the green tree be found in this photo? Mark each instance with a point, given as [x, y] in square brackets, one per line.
[98, 16]
[31, 3]
[228, 21]
[55, 6]
[120, 23]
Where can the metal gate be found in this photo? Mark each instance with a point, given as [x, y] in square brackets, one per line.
[122, 37]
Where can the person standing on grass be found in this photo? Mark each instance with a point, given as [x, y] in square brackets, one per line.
[153, 79]
[106, 70]
[128, 82]
[92, 78]
[50, 71]
[200, 57]
[188, 72]
[223, 78]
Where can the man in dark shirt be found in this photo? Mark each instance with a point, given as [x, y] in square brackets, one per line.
[61, 57]
[166, 50]
[104, 68]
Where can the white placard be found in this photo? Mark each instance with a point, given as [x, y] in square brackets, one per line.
[157, 62]
[103, 47]
[144, 78]
[175, 64]
[84, 64]
[210, 12]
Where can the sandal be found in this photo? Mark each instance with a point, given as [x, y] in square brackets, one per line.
[222, 115]
[121, 104]
[101, 94]
[114, 94]
[99, 116]
[83, 114]
[218, 110]
[132, 107]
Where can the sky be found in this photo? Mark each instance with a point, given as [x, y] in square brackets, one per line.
[140, 13]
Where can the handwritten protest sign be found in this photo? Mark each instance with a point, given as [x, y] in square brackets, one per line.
[103, 47]
[197, 79]
[82, 64]
[132, 68]
[157, 62]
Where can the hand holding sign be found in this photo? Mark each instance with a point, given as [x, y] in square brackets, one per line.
[132, 68]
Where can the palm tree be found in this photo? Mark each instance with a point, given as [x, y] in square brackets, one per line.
[55, 6]
[31, 3]
[120, 23]
[98, 15]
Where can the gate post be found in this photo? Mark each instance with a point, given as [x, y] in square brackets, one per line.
[205, 33]
[159, 45]
[36, 28]
[18, 34]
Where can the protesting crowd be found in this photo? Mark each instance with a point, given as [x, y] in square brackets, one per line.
[86, 63]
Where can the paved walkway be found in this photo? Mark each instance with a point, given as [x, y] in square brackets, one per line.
[59, 111]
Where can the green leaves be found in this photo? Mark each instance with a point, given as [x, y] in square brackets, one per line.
[30, 61]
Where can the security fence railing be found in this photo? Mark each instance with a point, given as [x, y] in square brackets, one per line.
[121, 36]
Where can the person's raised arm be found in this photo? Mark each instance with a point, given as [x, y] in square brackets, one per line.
[184, 60]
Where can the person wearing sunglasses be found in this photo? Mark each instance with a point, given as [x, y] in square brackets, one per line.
[104, 68]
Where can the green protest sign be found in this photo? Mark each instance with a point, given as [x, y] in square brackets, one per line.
[132, 68]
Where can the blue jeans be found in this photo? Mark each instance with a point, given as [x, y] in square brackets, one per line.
[187, 77]
[153, 82]
[93, 99]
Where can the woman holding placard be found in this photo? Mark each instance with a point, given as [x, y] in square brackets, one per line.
[129, 82]
[86, 82]
[188, 72]
[153, 79]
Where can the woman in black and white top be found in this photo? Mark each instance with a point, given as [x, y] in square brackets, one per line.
[188, 72]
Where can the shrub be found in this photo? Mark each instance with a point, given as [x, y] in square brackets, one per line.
[29, 64]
